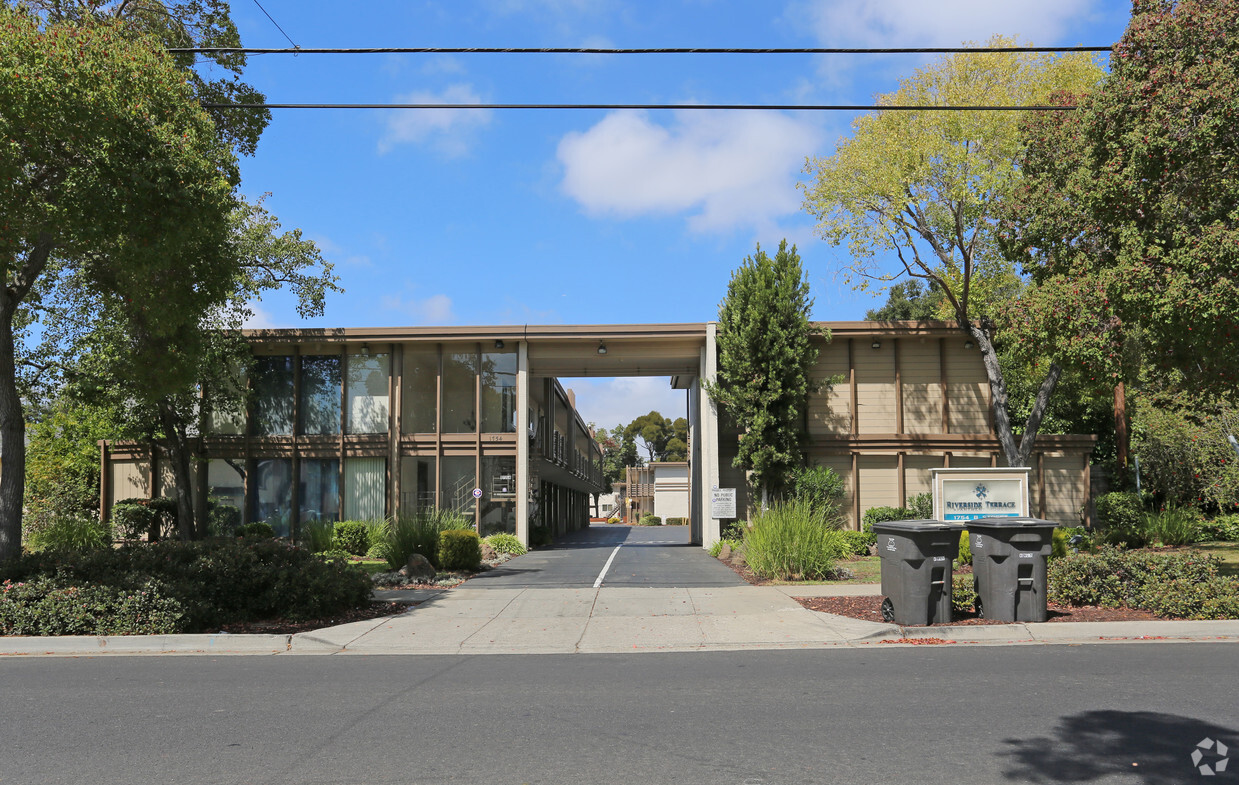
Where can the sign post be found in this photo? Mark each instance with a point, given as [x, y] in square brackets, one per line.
[723, 503]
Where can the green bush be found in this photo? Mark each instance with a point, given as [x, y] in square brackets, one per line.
[44, 606]
[857, 543]
[1172, 527]
[965, 548]
[734, 530]
[335, 554]
[351, 536]
[963, 594]
[1223, 528]
[1120, 519]
[460, 550]
[792, 540]
[67, 534]
[419, 533]
[650, 520]
[1185, 459]
[819, 486]
[380, 550]
[1060, 543]
[677, 521]
[222, 517]
[256, 530]
[316, 535]
[922, 506]
[1213, 598]
[216, 582]
[1113, 577]
[505, 543]
[882, 514]
[133, 518]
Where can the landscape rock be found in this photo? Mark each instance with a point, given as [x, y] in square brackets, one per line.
[488, 552]
[725, 552]
[419, 568]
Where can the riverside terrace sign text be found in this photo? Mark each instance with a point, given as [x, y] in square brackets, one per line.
[968, 494]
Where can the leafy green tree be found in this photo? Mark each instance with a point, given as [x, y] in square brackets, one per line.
[619, 451]
[910, 301]
[112, 182]
[765, 353]
[654, 430]
[677, 446]
[922, 189]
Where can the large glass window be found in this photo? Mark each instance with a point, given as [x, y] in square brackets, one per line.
[417, 484]
[273, 481]
[459, 480]
[460, 374]
[320, 394]
[421, 389]
[498, 494]
[499, 391]
[365, 488]
[367, 393]
[226, 492]
[319, 492]
[273, 396]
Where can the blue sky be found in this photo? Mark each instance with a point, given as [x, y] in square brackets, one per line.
[579, 217]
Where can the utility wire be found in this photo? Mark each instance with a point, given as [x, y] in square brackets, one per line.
[294, 50]
[596, 51]
[746, 107]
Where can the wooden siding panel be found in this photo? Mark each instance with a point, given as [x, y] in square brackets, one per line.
[875, 386]
[879, 481]
[967, 388]
[969, 461]
[130, 480]
[842, 466]
[916, 473]
[830, 409]
[921, 376]
[1064, 489]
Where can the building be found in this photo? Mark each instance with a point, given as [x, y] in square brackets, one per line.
[366, 423]
[660, 488]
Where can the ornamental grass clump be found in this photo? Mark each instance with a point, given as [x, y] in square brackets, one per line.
[419, 533]
[793, 540]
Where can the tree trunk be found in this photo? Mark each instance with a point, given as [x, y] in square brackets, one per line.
[175, 441]
[1016, 454]
[12, 438]
[1122, 436]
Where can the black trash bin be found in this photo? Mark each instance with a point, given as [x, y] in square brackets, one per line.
[1009, 558]
[916, 569]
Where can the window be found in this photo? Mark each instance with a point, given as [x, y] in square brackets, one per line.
[459, 480]
[273, 396]
[498, 494]
[226, 491]
[499, 392]
[365, 488]
[460, 375]
[320, 394]
[421, 389]
[367, 393]
[273, 481]
[417, 485]
[319, 491]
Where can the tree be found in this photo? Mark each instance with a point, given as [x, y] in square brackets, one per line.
[923, 187]
[677, 445]
[112, 181]
[765, 353]
[653, 429]
[1127, 220]
[909, 301]
[619, 451]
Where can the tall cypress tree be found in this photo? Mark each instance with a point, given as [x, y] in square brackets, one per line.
[764, 358]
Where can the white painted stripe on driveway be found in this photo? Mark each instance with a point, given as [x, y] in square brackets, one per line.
[607, 566]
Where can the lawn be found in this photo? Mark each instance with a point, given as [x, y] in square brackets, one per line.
[868, 569]
[1228, 552]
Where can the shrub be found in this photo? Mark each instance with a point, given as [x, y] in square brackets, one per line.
[377, 530]
[1112, 577]
[857, 543]
[963, 594]
[133, 518]
[379, 550]
[882, 514]
[734, 530]
[335, 554]
[222, 518]
[506, 543]
[1213, 598]
[351, 536]
[677, 521]
[43, 606]
[1223, 528]
[1120, 519]
[1172, 527]
[1060, 544]
[67, 534]
[819, 486]
[165, 512]
[256, 530]
[419, 533]
[792, 540]
[460, 550]
[922, 506]
[965, 548]
[540, 536]
[650, 520]
[613, 519]
[216, 582]
[316, 534]
[1185, 459]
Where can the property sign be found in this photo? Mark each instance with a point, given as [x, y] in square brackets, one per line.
[723, 503]
[968, 494]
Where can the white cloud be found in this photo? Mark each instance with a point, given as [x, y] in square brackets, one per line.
[258, 318]
[450, 131]
[940, 23]
[435, 309]
[727, 169]
[607, 402]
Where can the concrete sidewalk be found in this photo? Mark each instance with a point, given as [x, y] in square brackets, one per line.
[616, 620]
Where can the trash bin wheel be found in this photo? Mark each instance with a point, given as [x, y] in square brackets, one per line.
[888, 611]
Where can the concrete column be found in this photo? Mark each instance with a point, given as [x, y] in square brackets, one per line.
[695, 480]
[522, 442]
[709, 438]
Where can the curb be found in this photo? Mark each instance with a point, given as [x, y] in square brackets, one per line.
[90, 645]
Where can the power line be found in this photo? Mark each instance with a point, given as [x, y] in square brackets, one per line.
[277, 27]
[730, 107]
[644, 51]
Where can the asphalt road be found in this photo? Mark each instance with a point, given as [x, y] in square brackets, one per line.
[644, 556]
[1130, 713]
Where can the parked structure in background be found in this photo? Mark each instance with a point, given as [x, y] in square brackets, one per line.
[367, 423]
[660, 488]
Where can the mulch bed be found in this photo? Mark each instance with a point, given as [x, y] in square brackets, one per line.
[375, 610]
[869, 608]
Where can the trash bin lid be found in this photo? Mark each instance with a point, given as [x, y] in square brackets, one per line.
[1021, 522]
[917, 526]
